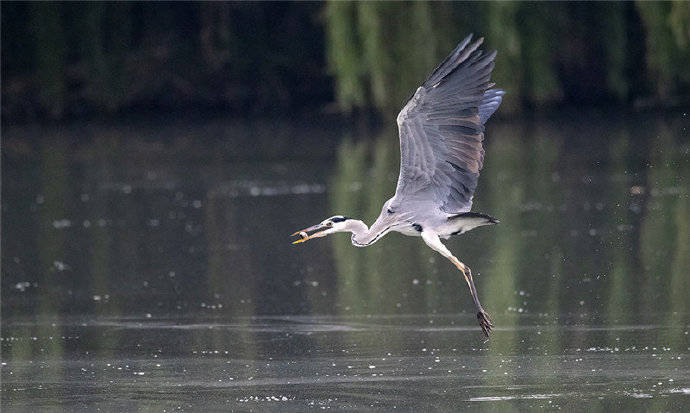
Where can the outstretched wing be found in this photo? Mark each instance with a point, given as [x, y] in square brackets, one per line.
[442, 128]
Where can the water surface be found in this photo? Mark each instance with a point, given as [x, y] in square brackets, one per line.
[142, 275]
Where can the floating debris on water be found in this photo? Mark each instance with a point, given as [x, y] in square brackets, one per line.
[62, 223]
[60, 266]
[22, 286]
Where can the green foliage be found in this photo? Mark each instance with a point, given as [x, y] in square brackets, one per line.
[95, 57]
[345, 54]
[105, 53]
[549, 52]
[667, 27]
[49, 53]
[64, 59]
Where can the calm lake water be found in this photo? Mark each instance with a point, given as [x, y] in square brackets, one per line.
[138, 275]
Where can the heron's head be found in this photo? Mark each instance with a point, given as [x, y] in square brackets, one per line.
[337, 223]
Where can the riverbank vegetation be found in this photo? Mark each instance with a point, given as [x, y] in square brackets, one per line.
[75, 60]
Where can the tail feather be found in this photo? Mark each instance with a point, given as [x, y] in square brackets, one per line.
[469, 220]
[477, 215]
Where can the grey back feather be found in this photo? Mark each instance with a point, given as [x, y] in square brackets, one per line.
[441, 131]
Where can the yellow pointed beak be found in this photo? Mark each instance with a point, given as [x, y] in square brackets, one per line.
[303, 239]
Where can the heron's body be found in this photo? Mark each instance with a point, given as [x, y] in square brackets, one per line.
[444, 225]
[441, 131]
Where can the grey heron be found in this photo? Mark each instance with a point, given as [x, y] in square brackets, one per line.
[441, 129]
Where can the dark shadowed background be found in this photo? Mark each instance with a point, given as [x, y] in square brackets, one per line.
[156, 156]
[77, 60]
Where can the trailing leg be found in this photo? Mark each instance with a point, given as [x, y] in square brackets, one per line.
[482, 316]
[433, 241]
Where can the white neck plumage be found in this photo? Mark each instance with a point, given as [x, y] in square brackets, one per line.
[362, 236]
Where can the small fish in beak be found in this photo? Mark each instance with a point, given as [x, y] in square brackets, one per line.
[317, 231]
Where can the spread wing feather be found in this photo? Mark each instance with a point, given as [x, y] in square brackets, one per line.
[441, 130]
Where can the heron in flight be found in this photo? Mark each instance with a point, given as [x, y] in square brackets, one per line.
[441, 129]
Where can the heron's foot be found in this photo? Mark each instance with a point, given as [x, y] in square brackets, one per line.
[484, 322]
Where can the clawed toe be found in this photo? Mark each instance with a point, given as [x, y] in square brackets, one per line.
[484, 322]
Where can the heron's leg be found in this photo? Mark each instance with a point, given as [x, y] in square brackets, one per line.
[467, 273]
[433, 241]
[482, 316]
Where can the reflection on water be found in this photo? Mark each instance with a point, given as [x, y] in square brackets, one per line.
[133, 277]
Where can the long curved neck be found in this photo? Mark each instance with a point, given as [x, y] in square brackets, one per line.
[362, 236]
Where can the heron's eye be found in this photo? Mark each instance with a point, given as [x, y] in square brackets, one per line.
[390, 211]
[329, 224]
